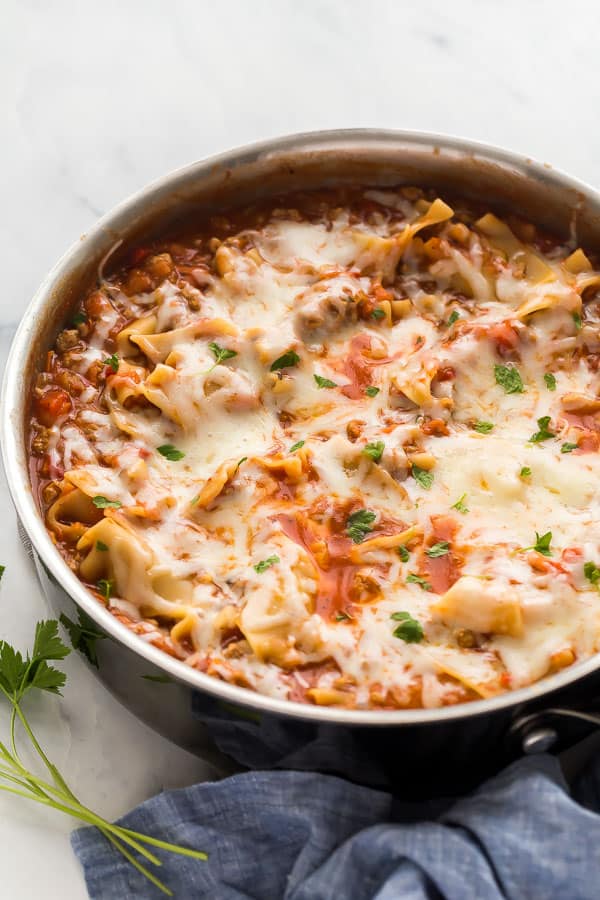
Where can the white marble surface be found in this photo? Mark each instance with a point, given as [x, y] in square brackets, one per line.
[99, 98]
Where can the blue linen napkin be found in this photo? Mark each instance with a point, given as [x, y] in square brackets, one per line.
[303, 836]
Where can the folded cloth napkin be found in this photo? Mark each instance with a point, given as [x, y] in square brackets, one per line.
[303, 836]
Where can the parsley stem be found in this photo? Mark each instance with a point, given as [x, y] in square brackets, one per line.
[165, 845]
[63, 791]
[138, 865]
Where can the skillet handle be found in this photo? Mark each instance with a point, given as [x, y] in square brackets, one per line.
[540, 731]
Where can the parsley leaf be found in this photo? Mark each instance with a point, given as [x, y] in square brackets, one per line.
[592, 573]
[371, 391]
[100, 545]
[409, 629]
[403, 553]
[542, 544]
[290, 358]
[265, 564]
[439, 549]
[378, 314]
[577, 320]
[543, 434]
[568, 447]
[84, 634]
[221, 353]
[342, 616]
[416, 579]
[509, 378]
[239, 462]
[296, 446]
[18, 675]
[105, 586]
[424, 477]
[453, 317]
[550, 381]
[101, 502]
[324, 382]
[483, 427]
[2, 570]
[113, 362]
[359, 524]
[170, 452]
[78, 319]
[374, 451]
[460, 505]
[525, 472]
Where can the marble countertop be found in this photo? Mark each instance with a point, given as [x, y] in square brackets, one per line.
[99, 99]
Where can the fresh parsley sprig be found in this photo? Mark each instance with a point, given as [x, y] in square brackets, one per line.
[439, 549]
[544, 434]
[19, 675]
[374, 450]
[509, 378]
[422, 476]
[359, 525]
[542, 544]
[410, 630]
[220, 353]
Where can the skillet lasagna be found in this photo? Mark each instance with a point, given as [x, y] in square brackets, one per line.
[342, 450]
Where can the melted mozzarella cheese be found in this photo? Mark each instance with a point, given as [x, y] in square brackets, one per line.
[244, 540]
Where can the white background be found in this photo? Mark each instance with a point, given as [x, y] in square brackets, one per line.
[99, 98]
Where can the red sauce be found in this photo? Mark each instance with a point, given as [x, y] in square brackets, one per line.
[336, 578]
[442, 571]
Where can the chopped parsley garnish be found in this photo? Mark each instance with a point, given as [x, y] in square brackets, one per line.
[239, 462]
[374, 450]
[265, 564]
[542, 544]
[509, 378]
[416, 579]
[409, 629]
[592, 573]
[290, 358]
[525, 472]
[453, 317]
[378, 314]
[324, 382]
[296, 446]
[220, 353]
[371, 390]
[342, 616]
[577, 320]
[403, 553]
[359, 525]
[105, 586]
[2, 571]
[113, 362]
[543, 434]
[550, 381]
[100, 545]
[568, 447]
[483, 427]
[424, 478]
[439, 549]
[170, 452]
[101, 502]
[78, 319]
[460, 505]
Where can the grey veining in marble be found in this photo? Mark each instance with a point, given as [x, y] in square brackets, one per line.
[99, 98]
